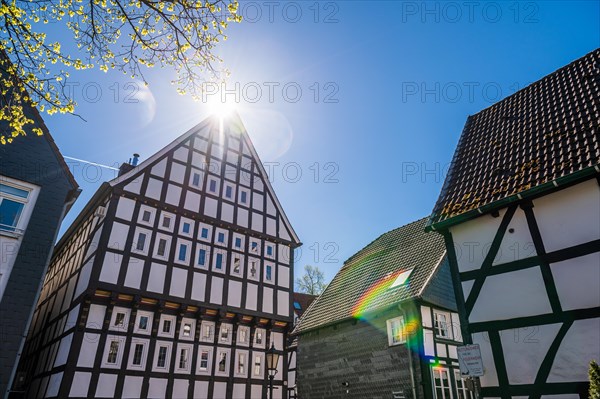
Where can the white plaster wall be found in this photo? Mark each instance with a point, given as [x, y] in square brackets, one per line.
[510, 295]
[135, 270]
[490, 378]
[95, 317]
[256, 391]
[283, 232]
[570, 216]
[456, 331]
[216, 290]
[135, 185]
[577, 281]
[220, 390]
[106, 386]
[178, 282]
[267, 305]
[80, 384]
[153, 190]
[199, 287]
[524, 351]
[210, 207]
[118, 236]
[239, 391]
[132, 387]
[111, 267]
[157, 388]
[192, 201]
[125, 208]
[156, 280]
[54, 385]
[234, 294]
[472, 240]
[177, 172]
[251, 296]
[283, 303]
[580, 345]
[518, 244]
[159, 168]
[180, 388]
[63, 350]
[201, 390]
[283, 278]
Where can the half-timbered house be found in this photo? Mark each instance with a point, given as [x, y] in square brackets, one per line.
[172, 282]
[301, 303]
[386, 326]
[520, 214]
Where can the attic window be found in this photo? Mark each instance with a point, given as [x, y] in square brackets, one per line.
[402, 278]
[297, 306]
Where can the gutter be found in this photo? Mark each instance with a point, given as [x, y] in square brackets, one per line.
[69, 201]
[537, 191]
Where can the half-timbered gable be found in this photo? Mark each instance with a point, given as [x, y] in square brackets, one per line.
[185, 282]
[520, 215]
[386, 326]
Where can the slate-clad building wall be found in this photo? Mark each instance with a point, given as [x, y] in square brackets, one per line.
[34, 166]
[183, 280]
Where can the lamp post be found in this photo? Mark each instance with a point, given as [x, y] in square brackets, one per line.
[272, 360]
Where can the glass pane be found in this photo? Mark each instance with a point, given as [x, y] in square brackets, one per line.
[4, 189]
[9, 213]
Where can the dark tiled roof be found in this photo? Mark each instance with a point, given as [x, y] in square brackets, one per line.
[546, 131]
[373, 270]
[304, 301]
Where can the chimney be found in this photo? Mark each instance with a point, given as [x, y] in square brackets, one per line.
[127, 166]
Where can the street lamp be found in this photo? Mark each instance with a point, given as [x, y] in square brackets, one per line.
[272, 360]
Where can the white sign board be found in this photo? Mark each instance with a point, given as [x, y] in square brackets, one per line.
[469, 360]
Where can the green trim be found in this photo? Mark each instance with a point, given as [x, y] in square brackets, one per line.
[546, 366]
[537, 191]
[489, 259]
[538, 320]
[500, 363]
[536, 236]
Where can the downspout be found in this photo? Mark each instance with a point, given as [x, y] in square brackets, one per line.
[410, 359]
[70, 200]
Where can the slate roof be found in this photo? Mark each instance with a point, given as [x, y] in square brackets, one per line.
[377, 265]
[304, 300]
[524, 143]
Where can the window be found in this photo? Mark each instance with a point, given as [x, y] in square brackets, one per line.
[243, 335]
[162, 246]
[442, 324]
[12, 204]
[184, 358]
[212, 186]
[258, 337]
[119, 320]
[113, 352]
[166, 222]
[297, 306]
[238, 242]
[187, 330]
[254, 246]
[196, 179]
[257, 364]
[204, 232]
[395, 330]
[253, 268]
[222, 361]
[269, 273]
[204, 360]
[182, 252]
[146, 216]
[138, 352]
[236, 265]
[402, 278]
[228, 192]
[186, 227]
[202, 257]
[441, 383]
[224, 332]
[269, 250]
[221, 238]
[219, 261]
[166, 326]
[241, 369]
[243, 197]
[162, 357]
[207, 332]
[143, 323]
[141, 242]
[461, 388]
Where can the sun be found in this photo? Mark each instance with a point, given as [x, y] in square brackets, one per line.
[221, 109]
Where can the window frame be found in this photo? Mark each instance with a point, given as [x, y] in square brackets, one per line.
[390, 331]
[145, 344]
[138, 317]
[448, 324]
[167, 366]
[120, 340]
[171, 333]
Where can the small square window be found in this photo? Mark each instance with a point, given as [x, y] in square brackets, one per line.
[113, 352]
[196, 179]
[204, 232]
[162, 246]
[219, 261]
[257, 365]
[204, 360]
[202, 257]
[166, 223]
[162, 357]
[269, 250]
[119, 320]
[442, 324]
[212, 186]
[187, 330]
[186, 227]
[236, 265]
[243, 197]
[224, 333]
[228, 192]
[166, 326]
[138, 353]
[141, 242]
[395, 330]
[269, 273]
[182, 252]
[297, 306]
[221, 238]
[222, 361]
[238, 242]
[143, 323]
[146, 216]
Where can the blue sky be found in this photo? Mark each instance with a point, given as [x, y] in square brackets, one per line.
[385, 90]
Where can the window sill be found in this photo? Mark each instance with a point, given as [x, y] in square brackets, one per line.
[13, 232]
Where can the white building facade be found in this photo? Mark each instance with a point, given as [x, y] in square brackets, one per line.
[172, 282]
